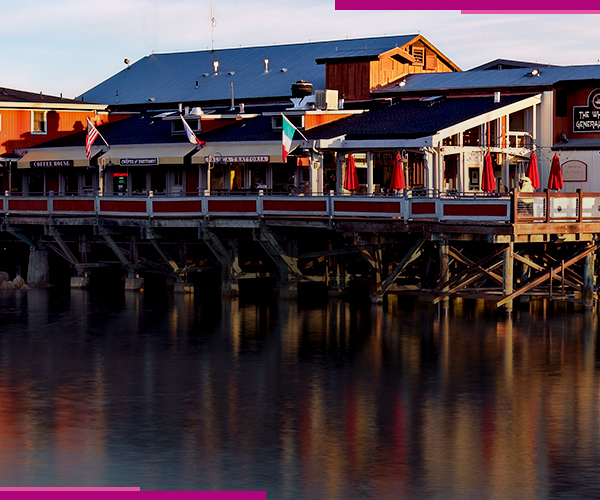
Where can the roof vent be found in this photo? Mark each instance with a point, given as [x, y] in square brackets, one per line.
[301, 88]
[431, 101]
[266, 65]
[197, 111]
[216, 67]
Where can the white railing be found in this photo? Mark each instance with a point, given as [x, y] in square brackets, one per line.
[520, 208]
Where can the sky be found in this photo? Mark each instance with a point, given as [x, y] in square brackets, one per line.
[69, 46]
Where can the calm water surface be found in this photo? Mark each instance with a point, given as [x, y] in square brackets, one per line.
[334, 400]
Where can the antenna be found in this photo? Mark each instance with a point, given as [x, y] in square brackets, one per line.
[213, 23]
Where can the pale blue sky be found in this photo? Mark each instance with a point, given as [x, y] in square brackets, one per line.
[68, 46]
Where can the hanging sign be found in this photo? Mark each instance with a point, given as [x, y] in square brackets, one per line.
[237, 159]
[587, 118]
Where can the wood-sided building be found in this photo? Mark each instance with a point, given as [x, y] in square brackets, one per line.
[28, 119]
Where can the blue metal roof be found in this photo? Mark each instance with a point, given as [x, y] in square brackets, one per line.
[492, 79]
[172, 77]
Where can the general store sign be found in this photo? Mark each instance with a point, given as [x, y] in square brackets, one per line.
[138, 161]
[52, 164]
[238, 159]
[587, 118]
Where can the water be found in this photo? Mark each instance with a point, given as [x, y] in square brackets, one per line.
[331, 400]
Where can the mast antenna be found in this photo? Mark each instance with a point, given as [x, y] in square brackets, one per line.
[213, 23]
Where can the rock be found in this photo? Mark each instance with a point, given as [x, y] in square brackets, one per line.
[19, 282]
[25, 287]
[8, 285]
[4, 277]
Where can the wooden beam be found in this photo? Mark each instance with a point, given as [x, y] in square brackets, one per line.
[412, 254]
[547, 275]
[465, 260]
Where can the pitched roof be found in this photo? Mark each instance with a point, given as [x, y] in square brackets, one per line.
[189, 77]
[491, 79]
[20, 96]
[410, 119]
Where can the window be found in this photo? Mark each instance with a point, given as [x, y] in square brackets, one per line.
[419, 55]
[561, 103]
[296, 120]
[38, 122]
[177, 126]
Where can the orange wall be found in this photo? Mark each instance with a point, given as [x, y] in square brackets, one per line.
[16, 127]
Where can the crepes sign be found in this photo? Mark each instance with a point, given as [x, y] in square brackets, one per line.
[587, 118]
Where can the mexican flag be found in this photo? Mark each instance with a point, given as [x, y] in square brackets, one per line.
[286, 136]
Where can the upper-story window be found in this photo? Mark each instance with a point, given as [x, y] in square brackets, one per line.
[419, 55]
[177, 126]
[38, 122]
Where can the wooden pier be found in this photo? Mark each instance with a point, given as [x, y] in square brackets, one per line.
[499, 248]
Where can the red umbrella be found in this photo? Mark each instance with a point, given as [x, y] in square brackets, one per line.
[533, 173]
[555, 181]
[488, 181]
[351, 177]
[398, 181]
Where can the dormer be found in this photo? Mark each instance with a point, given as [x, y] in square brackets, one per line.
[356, 73]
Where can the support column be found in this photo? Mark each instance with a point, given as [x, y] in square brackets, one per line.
[370, 187]
[444, 272]
[38, 269]
[588, 281]
[508, 276]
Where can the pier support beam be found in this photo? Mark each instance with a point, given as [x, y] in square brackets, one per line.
[289, 273]
[231, 271]
[588, 281]
[38, 269]
[444, 272]
[508, 276]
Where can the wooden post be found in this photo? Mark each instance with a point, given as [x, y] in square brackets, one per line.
[508, 275]
[444, 272]
[588, 281]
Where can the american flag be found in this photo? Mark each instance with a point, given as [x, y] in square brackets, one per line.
[92, 133]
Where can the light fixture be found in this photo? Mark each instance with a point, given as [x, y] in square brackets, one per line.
[216, 66]
[534, 72]
[563, 137]
[402, 83]
[126, 61]
[266, 65]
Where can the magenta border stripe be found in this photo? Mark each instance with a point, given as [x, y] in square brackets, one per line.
[60, 488]
[477, 6]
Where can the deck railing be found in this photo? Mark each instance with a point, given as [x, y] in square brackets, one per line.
[521, 208]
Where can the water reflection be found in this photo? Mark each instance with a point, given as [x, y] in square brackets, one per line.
[327, 401]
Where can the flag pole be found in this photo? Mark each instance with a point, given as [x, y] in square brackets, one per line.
[99, 134]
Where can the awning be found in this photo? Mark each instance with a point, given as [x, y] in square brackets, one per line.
[54, 158]
[148, 154]
[240, 153]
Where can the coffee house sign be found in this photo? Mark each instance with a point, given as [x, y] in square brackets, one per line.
[587, 118]
[52, 163]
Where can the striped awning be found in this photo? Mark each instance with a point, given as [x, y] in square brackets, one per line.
[54, 158]
[239, 152]
[148, 154]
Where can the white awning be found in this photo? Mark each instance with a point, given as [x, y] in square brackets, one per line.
[148, 154]
[54, 158]
[240, 152]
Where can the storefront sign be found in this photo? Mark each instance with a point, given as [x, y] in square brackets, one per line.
[52, 164]
[237, 159]
[574, 171]
[587, 118]
[138, 161]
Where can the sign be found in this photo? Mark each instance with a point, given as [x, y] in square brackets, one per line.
[574, 171]
[122, 174]
[52, 164]
[587, 118]
[237, 159]
[138, 161]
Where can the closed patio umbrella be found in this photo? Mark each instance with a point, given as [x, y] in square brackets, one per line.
[351, 177]
[488, 181]
[555, 181]
[533, 172]
[398, 181]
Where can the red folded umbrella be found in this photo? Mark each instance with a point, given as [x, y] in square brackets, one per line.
[555, 181]
[488, 181]
[351, 177]
[533, 172]
[398, 181]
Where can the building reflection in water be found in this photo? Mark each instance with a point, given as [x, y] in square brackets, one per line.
[332, 400]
